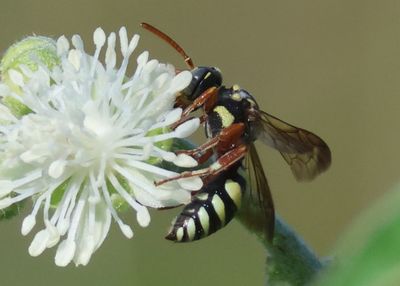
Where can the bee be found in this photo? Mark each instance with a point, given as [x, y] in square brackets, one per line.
[233, 122]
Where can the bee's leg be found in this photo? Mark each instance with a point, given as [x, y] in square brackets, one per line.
[206, 100]
[222, 142]
[223, 163]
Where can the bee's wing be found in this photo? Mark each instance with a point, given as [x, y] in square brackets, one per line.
[306, 153]
[259, 198]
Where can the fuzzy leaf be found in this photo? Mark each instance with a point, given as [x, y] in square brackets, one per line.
[370, 253]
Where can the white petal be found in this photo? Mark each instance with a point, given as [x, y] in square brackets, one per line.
[62, 45]
[54, 235]
[56, 169]
[65, 252]
[85, 250]
[187, 128]
[99, 37]
[181, 81]
[193, 183]
[185, 161]
[126, 230]
[74, 57]
[63, 226]
[143, 217]
[133, 43]
[39, 243]
[143, 58]
[123, 38]
[27, 224]
[103, 223]
[173, 116]
[16, 77]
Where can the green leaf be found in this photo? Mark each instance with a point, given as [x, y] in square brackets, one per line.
[370, 253]
[11, 211]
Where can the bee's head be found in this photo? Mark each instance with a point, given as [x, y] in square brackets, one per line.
[203, 79]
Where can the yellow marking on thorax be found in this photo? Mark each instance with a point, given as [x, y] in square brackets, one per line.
[226, 117]
[236, 96]
[236, 87]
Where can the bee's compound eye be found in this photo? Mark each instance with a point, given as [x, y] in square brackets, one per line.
[203, 79]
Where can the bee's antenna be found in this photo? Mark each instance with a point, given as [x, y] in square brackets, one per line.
[169, 41]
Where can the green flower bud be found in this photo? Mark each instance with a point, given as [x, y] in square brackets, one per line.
[164, 145]
[27, 52]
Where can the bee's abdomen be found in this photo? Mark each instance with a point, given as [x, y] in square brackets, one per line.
[210, 209]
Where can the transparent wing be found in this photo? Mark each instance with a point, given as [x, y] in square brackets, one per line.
[306, 153]
[258, 207]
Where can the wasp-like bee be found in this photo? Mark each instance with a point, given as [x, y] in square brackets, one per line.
[233, 121]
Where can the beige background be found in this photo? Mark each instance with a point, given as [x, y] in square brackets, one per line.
[330, 66]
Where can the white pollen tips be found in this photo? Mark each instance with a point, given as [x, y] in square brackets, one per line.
[56, 169]
[185, 161]
[143, 217]
[192, 183]
[39, 243]
[99, 37]
[74, 57]
[142, 58]
[173, 116]
[133, 43]
[16, 77]
[63, 226]
[27, 224]
[54, 235]
[123, 38]
[62, 45]
[65, 252]
[168, 156]
[126, 230]
[180, 81]
[111, 56]
[86, 249]
[187, 128]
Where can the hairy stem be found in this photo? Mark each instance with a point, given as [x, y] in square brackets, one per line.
[289, 260]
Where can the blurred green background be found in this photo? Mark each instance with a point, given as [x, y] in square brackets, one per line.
[331, 66]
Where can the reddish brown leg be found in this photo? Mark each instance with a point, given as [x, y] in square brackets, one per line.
[222, 142]
[223, 163]
[206, 100]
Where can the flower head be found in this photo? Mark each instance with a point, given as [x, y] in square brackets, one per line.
[91, 144]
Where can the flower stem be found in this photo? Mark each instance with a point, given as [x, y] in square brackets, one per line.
[289, 260]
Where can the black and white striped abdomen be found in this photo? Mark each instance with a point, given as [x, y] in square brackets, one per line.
[210, 209]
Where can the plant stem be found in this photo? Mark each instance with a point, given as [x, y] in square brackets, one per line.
[289, 260]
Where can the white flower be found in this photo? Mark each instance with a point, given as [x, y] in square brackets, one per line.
[89, 144]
